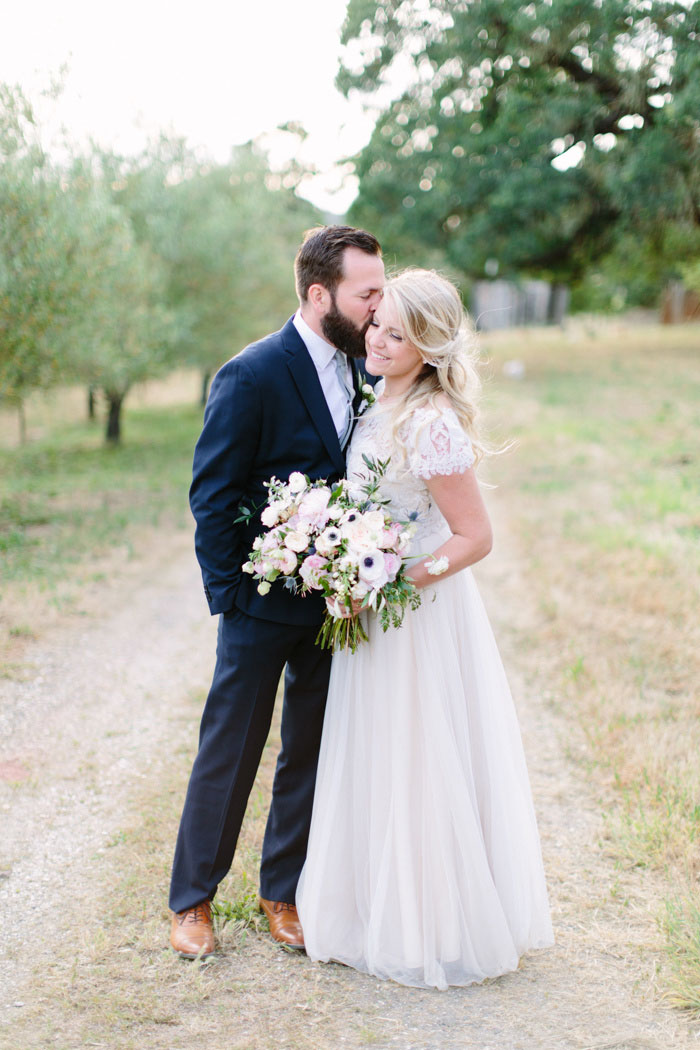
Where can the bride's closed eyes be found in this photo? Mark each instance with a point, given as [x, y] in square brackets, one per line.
[394, 335]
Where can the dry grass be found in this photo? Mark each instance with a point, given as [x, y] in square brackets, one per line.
[604, 495]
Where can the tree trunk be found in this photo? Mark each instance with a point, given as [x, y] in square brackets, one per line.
[206, 376]
[22, 422]
[115, 400]
[91, 399]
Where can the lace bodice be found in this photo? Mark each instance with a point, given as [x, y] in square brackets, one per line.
[435, 444]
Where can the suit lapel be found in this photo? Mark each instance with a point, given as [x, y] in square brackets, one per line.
[357, 381]
[306, 379]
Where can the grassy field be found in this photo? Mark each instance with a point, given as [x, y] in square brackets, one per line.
[68, 502]
[603, 487]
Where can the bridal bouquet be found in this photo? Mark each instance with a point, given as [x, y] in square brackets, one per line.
[340, 542]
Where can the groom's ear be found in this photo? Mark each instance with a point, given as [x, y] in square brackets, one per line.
[320, 298]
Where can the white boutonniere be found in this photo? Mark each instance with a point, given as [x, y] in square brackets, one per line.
[368, 398]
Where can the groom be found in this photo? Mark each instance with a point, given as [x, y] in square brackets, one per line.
[283, 404]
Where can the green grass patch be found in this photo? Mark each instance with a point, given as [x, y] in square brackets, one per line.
[657, 824]
[615, 427]
[682, 929]
[67, 496]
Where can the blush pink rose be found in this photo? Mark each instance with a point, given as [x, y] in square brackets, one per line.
[314, 507]
[285, 560]
[271, 541]
[390, 536]
[312, 569]
[392, 564]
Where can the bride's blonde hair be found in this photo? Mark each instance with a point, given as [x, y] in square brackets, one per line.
[432, 318]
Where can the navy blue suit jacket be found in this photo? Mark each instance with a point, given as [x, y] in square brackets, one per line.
[266, 415]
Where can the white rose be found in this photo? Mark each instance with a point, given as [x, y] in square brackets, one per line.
[296, 540]
[297, 481]
[271, 515]
[374, 520]
[359, 537]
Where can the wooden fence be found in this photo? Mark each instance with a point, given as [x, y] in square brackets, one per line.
[507, 304]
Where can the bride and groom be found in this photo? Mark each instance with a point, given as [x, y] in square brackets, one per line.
[401, 838]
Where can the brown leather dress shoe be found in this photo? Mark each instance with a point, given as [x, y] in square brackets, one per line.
[191, 932]
[284, 923]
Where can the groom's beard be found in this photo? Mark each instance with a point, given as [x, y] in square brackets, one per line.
[342, 333]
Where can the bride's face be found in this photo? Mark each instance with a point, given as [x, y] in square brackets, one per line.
[389, 353]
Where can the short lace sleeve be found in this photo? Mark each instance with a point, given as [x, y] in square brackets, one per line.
[437, 444]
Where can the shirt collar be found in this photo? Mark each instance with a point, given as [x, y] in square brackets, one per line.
[321, 352]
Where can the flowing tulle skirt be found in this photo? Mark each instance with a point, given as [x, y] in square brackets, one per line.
[424, 861]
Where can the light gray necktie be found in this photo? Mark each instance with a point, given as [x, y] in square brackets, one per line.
[341, 368]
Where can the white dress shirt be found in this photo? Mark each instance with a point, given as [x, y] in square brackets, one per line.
[323, 356]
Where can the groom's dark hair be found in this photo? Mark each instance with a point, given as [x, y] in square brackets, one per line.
[320, 257]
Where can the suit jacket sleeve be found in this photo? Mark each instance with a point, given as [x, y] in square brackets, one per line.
[223, 459]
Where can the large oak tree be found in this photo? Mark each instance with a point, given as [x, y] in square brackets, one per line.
[542, 136]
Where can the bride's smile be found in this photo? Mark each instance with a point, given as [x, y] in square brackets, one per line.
[390, 353]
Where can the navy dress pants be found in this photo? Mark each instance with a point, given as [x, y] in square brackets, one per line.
[250, 657]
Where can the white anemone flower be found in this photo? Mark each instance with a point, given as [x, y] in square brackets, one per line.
[371, 569]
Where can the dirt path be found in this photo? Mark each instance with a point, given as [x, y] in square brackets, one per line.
[94, 705]
[100, 704]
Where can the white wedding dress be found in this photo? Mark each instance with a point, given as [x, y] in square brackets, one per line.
[424, 861]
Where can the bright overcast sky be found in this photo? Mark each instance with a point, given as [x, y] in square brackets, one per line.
[218, 72]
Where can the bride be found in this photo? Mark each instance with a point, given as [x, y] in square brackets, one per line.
[424, 862]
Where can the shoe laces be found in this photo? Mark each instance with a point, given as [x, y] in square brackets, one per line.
[192, 916]
[279, 906]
